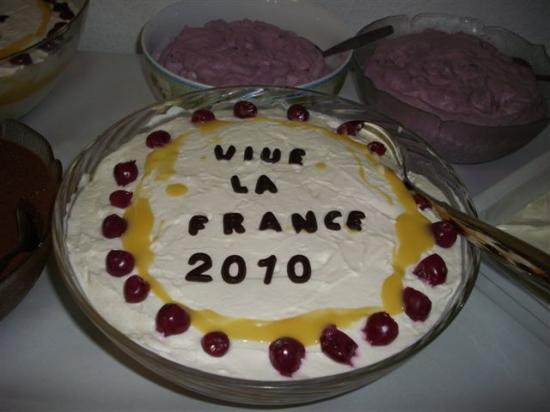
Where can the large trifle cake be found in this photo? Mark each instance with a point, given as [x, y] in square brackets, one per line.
[262, 244]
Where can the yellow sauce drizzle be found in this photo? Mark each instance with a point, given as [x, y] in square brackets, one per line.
[26, 40]
[321, 165]
[137, 240]
[306, 328]
[212, 126]
[414, 238]
[411, 229]
[163, 159]
[176, 189]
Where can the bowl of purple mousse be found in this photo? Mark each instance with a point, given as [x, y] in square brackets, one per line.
[474, 92]
[243, 43]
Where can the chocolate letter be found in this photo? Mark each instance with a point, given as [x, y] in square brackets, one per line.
[295, 156]
[248, 153]
[269, 157]
[197, 223]
[354, 220]
[236, 184]
[291, 269]
[226, 269]
[269, 221]
[220, 155]
[309, 224]
[329, 220]
[264, 183]
[233, 222]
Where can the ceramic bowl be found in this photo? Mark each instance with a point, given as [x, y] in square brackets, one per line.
[312, 22]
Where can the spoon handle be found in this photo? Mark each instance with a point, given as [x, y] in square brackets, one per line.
[531, 265]
[359, 40]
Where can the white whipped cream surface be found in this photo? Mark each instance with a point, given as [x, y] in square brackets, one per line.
[348, 268]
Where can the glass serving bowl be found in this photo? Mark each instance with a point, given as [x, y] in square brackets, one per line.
[455, 141]
[421, 160]
[307, 20]
[22, 87]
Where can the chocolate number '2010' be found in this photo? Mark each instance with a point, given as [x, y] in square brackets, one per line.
[233, 268]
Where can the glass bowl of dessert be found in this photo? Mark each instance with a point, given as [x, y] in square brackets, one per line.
[38, 38]
[214, 44]
[257, 245]
[469, 89]
[30, 176]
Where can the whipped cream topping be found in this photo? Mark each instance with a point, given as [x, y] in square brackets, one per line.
[243, 52]
[348, 267]
[457, 76]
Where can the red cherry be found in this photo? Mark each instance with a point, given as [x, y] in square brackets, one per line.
[417, 304]
[119, 262]
[120, 198]
[172, 319]
[158, 138]
[23, 59]
[377, 148]
[136, 289]
[243, 109]
[432, 270]
[215, 343]
[202, 116]
[350, 128]
[445, 233]
[114, 226]
[286, 355]
[125, 173]
[297, 112]
[337, 345]
[380, 329]
[421, 202]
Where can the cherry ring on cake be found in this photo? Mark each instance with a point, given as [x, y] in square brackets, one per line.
[297, 112]
[244, 109]
[202, 116]
[286, 355]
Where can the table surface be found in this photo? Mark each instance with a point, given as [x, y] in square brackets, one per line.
[53, 358]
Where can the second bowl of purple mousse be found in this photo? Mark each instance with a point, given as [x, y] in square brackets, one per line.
[452, 81]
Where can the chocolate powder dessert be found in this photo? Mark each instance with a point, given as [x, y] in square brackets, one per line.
[26, 182]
